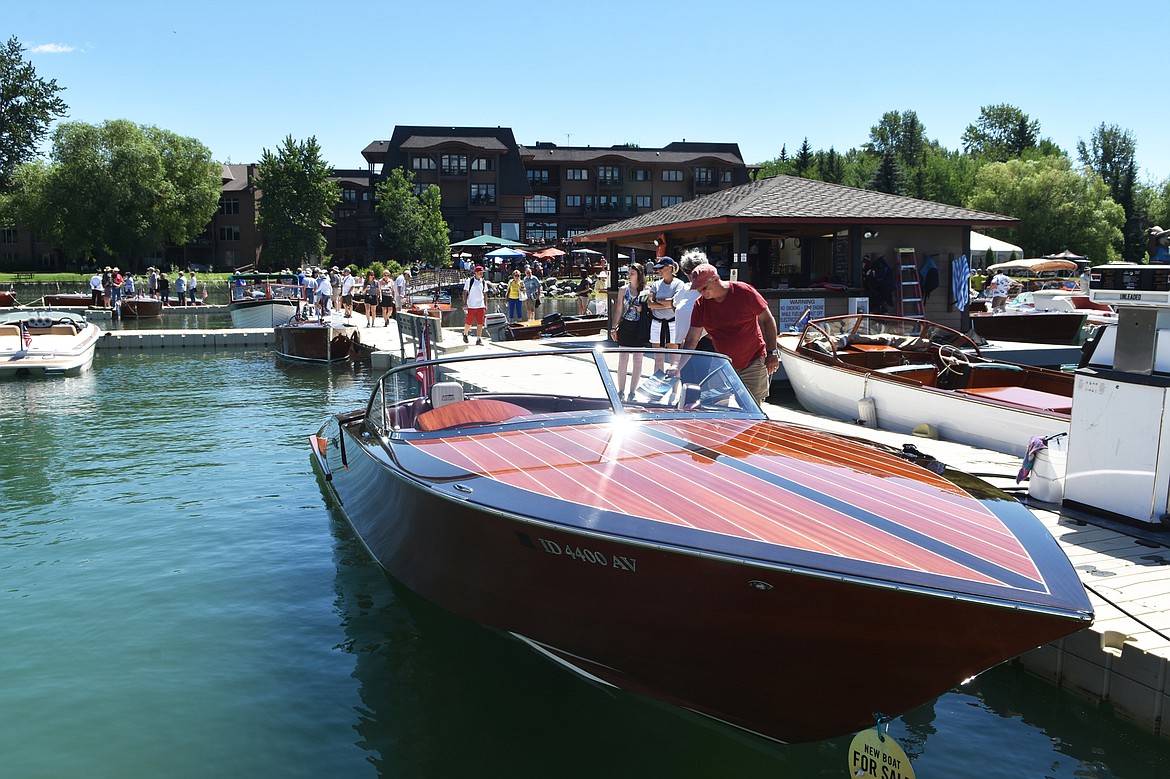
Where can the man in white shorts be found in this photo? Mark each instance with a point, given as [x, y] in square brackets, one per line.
[662, 322]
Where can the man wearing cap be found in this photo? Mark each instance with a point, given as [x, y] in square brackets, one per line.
[475, 305]
[661, 303]
[95, 289]
[347, 284]
[323, 293]
[740, 325]
[335, 285]
[400, 297]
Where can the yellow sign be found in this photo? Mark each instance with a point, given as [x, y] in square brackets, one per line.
[875, 755]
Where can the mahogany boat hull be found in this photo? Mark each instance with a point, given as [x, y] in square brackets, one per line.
[7, 298]
[573, 327]
[319, 343]
[141, 308]
[771, 639]
[1040, 327]
[67, 299]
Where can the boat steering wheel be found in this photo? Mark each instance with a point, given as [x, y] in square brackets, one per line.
[953, 358]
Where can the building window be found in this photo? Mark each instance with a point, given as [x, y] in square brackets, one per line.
[483, 163]
[609, 174]
[229, 205]
[609, 202]
[483, 194]
[349, 195]
[643, 201]
[577, 174]
[453, 164]
[510, 230]
[9, 258]
[229, 257]
[672, 175]
[704, 177]
[628, 203]
[724, 177]
[572, 201]
[366, 196]
[540, 204]
[590, 203]
[229, 232]
[8, 235]
[639, 174]
[418, 189]
[571, 231]
[422, 163]
[671, 200]
[540, 231]
[538, 176]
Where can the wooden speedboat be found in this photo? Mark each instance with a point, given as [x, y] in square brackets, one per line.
[788, 582]
[319, 342]
[68, 299]
[141, 307]
[45, 342]
[556, 325]
[257, 300]
[911, 372]
[7, 298]
[1030, 324]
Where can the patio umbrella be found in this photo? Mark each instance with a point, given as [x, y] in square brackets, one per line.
[506, 253]
[1065, 255]
[548, 254]
[585, 251]
[486, 240]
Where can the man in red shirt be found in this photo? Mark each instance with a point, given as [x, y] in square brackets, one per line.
[740, 324]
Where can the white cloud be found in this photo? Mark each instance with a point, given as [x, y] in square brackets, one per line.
[53, 48]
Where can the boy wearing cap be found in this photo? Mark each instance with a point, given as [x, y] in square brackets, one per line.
[740, 325]
[661, 303]
[475, 305]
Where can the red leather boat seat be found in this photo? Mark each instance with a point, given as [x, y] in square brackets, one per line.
[478, 411]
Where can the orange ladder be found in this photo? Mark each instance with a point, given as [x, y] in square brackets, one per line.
[909, 286]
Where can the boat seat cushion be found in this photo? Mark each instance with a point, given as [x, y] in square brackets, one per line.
[477, 411]
[446, 392]
[13, 330]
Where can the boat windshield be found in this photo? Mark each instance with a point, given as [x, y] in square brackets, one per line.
[261, 286]
[833, 333]
[562, 386]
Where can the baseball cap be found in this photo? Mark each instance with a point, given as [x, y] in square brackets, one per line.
[478, 268]
[664, 261]
[702, 275]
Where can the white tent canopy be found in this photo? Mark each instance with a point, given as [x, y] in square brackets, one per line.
[1003, 250]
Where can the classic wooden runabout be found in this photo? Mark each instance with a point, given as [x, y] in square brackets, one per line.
[684, 547]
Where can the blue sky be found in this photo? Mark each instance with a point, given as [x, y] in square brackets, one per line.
[241, 77]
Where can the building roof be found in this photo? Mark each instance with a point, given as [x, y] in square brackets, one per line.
[415, 142]
[792, 200]
[235, 178]
[675, 153]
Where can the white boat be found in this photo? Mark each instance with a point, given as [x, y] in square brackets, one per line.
[896, 374]
[262, 300]
[45, 342]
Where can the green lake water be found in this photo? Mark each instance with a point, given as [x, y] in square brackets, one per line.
[179, 600]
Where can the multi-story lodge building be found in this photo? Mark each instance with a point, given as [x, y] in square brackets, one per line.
[538, 195]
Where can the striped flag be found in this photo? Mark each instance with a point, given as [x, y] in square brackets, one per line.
[25, 335]
[425, 375]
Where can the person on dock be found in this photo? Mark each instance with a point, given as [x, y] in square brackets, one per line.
[164, 288]
[335, 283]
[192, 285]
[532, 290]
[152, 281]
[631, 328]
[401, 291]
[95, 289]
[661, 303]
[741, 326]
[324, 295]
[372, 295]
[515, 303]
[584, 290]
[107, 282]
[348, 282]
[128, 290]
[181, 289]
[388, 306]
[475, 305]
[116, 284]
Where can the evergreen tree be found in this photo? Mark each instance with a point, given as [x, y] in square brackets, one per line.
[804, 160]
[831, 167]
[889, 175]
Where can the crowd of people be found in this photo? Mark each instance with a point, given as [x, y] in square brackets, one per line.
[109, 286]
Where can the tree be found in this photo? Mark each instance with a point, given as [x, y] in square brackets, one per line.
[118, 190]
[1002, 132]
[296, 202]
[28, 105]
[888, 177]
[1057, 207]
[1111, 154]
[830, 166]
[804, 160]
[413, 225]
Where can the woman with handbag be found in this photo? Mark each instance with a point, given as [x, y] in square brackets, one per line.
[515, 298]
[632, 328]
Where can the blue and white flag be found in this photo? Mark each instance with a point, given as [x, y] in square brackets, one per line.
[801, 322]
[961, 282]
